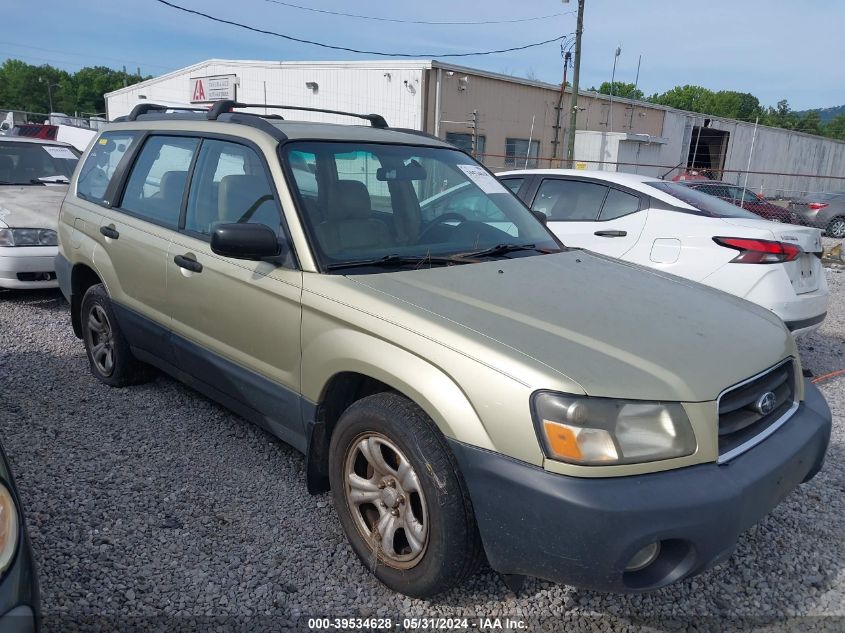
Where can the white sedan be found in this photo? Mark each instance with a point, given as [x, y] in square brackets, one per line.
[682, 231]
[34, 177]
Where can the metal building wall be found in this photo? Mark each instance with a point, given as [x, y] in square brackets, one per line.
[392, 89]
[795, 162]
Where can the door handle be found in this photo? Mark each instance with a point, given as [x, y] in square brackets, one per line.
[611, 233]
[188, 264]
[109, 232]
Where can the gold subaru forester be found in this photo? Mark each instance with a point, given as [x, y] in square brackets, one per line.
[464, 384]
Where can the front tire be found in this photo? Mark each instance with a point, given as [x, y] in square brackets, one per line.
[109, 357]
[836, 228]
[400, 497]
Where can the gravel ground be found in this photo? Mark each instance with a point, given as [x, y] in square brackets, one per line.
[153, 502]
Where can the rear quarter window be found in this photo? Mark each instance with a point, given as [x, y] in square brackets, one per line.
[101, 164]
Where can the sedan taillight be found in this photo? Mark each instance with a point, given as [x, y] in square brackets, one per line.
[815, 206]
[759, 251]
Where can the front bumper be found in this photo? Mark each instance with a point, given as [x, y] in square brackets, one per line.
[583, 532]
[26, 267]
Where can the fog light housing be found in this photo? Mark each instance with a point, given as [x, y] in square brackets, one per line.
[643, 558]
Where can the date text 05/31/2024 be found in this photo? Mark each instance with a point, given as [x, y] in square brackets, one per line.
[422, 623]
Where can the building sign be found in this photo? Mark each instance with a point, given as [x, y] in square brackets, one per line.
[208, 89]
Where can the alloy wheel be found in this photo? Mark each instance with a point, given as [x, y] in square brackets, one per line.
[836, 228]
[386, 500]
[101, 338]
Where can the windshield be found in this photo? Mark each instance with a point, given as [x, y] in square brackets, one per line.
[707, 204]
[33, 163]
[389, 205]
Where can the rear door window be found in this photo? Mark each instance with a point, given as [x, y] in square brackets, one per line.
[569, 200]
[101, 164]
[156, 184]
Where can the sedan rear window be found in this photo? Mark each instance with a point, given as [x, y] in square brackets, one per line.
[707, 204]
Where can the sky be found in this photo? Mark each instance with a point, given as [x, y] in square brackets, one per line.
[774, 49]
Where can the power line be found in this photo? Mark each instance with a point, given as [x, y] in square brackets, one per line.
[355, 50]
[396, 20]
[84, 55]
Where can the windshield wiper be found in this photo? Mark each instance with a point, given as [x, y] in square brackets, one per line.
[397, 260]
[503, 249]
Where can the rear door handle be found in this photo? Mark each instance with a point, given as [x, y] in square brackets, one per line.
[188, 264]
[109, 232]
[611, 233]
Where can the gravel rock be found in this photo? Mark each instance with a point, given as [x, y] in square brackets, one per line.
[152, 508]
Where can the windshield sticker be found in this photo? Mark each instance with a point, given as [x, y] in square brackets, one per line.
[59, 152]
[485, 182]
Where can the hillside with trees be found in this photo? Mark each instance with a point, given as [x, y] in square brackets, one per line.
[25, 87]
[742, 106]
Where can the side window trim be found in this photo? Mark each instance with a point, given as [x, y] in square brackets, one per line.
[635, 194]
[183, 209]
[115, 184]
[114, 192]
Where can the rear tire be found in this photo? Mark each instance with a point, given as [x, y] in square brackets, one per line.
[836, 228]
[109, 357]
[400, 497]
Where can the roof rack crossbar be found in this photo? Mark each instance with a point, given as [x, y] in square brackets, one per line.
[227, 105]
[144, 108]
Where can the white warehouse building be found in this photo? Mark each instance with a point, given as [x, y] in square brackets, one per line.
[516, 122]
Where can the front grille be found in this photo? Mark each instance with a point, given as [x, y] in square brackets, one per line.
[740, 419]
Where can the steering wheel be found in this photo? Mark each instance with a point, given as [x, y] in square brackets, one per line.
[440, 219]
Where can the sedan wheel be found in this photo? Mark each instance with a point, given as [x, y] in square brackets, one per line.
[836, 228]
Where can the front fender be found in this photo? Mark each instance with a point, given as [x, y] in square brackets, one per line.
[345, 350]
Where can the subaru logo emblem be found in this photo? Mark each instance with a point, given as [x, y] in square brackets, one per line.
[766, 403]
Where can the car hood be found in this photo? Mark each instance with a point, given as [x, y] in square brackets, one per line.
[31, 206]
[613, 328]
[809, 239]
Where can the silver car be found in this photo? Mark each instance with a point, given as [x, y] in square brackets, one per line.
[825, 211]
[34, 175]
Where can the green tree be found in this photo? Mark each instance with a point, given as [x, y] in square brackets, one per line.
[692, 98]
[24, 87]
[835, 128]
[809, 122]
[620, 89]
[734, 105]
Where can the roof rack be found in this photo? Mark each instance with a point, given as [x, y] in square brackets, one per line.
[227, 105]
[144, 108]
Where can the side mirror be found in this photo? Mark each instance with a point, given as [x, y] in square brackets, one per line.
[541, 216]
[245, 241]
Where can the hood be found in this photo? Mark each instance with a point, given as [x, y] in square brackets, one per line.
[809, 239]
[31, 206]
[614, 329]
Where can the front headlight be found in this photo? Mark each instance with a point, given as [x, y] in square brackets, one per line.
[28, 237]
[8, 528]
[604, 431]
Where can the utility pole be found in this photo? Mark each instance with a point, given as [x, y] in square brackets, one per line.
[567, 57]
[473, 125]
[573, 115]
[613, 81]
